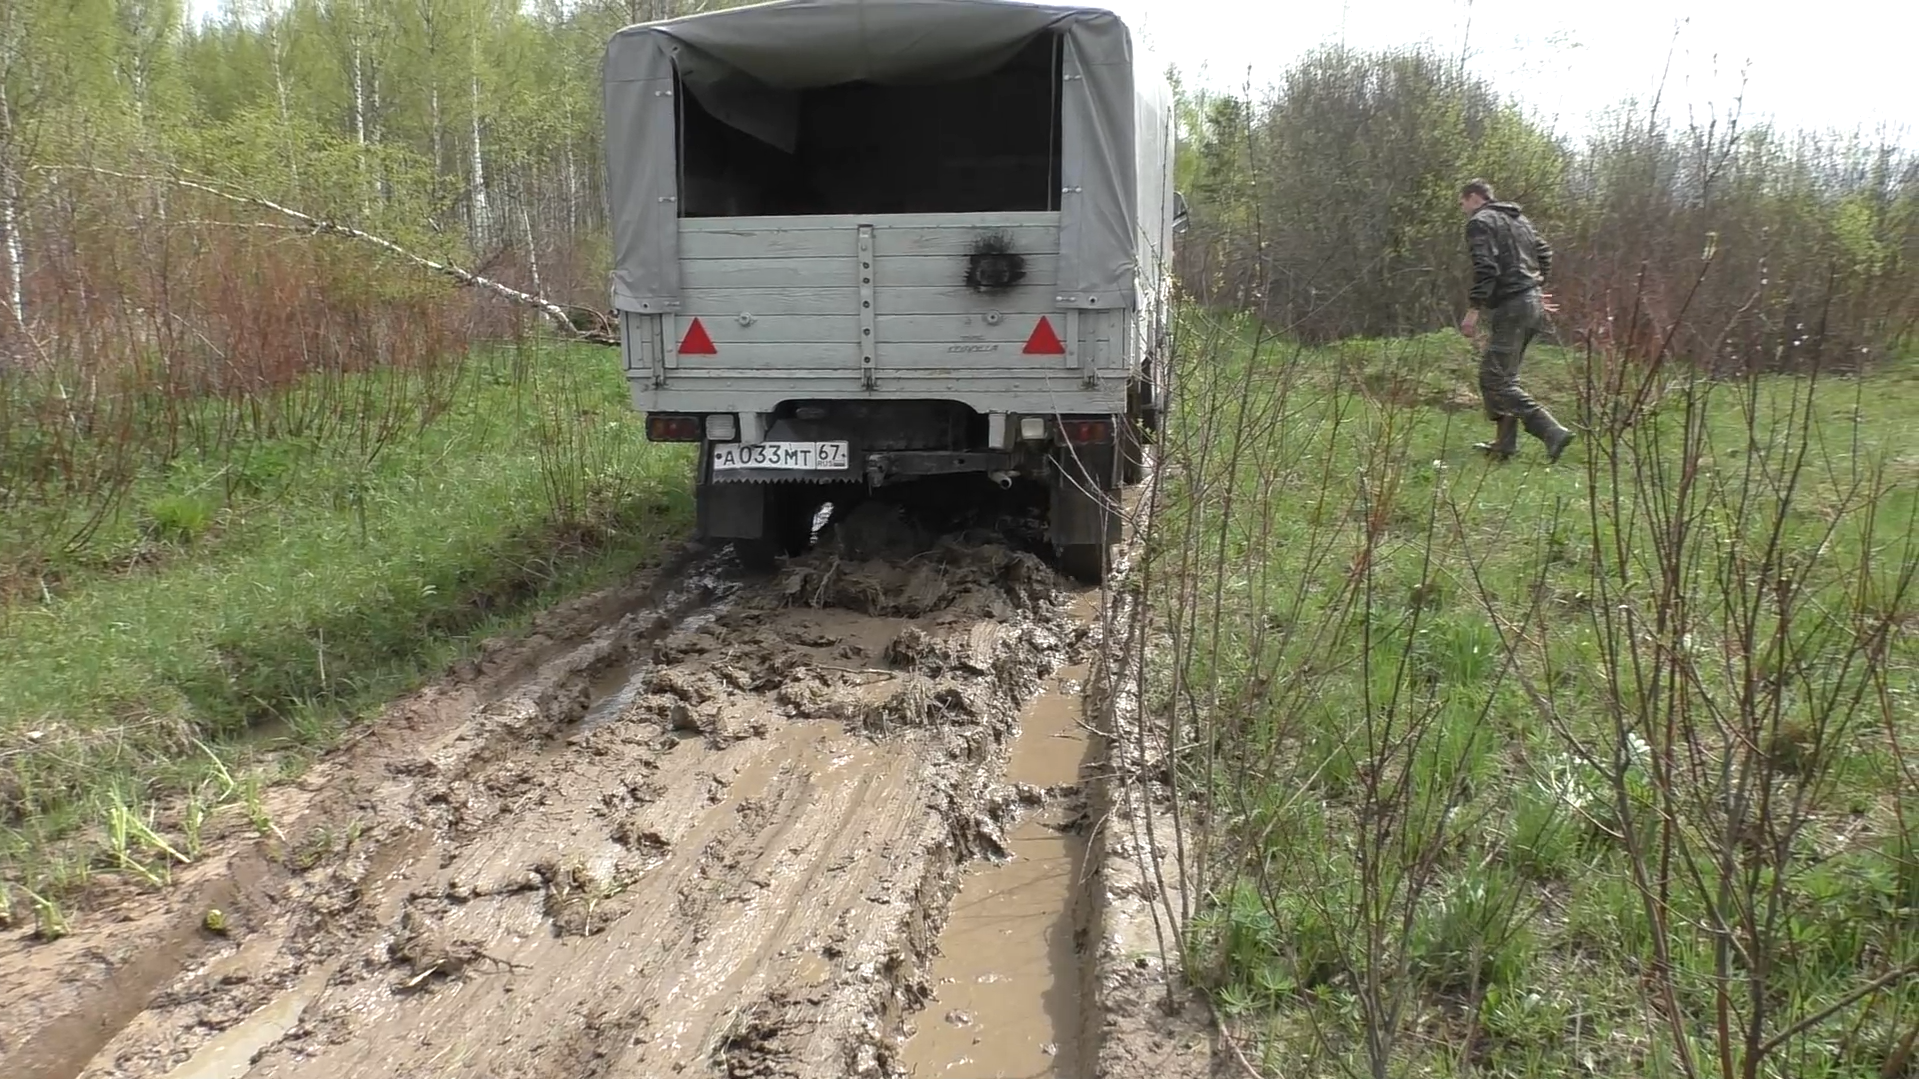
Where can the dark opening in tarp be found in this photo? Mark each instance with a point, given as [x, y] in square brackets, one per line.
[984, 143]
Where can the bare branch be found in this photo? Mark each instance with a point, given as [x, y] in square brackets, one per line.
[308, 223]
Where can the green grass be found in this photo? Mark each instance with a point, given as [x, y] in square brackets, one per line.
[1491, 785]
[212, 626]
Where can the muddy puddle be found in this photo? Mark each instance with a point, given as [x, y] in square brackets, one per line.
[1008, 981]
[231, 1054]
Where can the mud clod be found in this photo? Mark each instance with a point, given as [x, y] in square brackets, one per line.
[924, 702]
[672, 682]
[761, 1043]
[581, 901]
[994, 582]
[641, 839]
[428, 953]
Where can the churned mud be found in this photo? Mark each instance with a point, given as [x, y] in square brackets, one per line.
[842, 820]
[703, 824]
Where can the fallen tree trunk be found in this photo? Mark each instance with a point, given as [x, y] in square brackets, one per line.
[604, 331]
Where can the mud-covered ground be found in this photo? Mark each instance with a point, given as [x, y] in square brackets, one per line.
[703, 824]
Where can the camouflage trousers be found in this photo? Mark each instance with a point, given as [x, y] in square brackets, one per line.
[1512, 325]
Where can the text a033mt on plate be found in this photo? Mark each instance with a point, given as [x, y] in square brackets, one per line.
[790, 456]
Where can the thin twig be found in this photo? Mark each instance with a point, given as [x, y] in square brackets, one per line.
[1226, 1036]
[1888, 978]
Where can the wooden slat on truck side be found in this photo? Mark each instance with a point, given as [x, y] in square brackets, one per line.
[1042, 272]
[887, 300]
[813, 237]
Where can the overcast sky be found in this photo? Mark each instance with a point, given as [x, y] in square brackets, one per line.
[1843, 64]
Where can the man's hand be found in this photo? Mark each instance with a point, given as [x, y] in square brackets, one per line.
[1470, 324]
[1546, 301]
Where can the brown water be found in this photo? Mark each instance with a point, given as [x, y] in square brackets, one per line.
[230, 1055]
[1006, 982]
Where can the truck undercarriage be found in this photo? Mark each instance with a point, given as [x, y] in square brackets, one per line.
[1066, 471]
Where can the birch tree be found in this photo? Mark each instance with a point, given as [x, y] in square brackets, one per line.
[482, 217]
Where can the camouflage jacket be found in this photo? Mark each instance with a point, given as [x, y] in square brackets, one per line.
[1509, 258]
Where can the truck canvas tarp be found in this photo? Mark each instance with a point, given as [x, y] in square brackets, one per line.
[862, 244]
[747, 67]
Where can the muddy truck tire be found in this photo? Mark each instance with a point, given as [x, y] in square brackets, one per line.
[1140, 426]
[1132, 452]
[1087, 562]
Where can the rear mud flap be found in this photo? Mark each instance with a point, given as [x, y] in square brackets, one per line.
[729, 511]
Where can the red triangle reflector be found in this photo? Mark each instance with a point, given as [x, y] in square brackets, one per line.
[696, 342]
[1044, 341]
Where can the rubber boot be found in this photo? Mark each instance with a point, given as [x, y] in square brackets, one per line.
[1505, 442]
[1541, 425]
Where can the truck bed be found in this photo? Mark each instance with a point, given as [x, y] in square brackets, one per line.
[874, 307]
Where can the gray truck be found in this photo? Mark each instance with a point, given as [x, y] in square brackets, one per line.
[865, 243]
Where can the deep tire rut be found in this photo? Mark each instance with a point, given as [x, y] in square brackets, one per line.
[709, 826]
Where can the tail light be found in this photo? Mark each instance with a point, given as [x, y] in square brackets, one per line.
[664, 427]
[1082, 431]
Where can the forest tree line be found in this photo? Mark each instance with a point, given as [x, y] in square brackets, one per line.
[1330, 206]
[468, 130]
[468, 133]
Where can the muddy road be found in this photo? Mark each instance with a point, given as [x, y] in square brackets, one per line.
[832, 821]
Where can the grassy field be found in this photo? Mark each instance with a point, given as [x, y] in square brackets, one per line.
[1603, 767]
[253, 595]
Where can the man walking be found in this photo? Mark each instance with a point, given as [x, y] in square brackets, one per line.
[1510, 264]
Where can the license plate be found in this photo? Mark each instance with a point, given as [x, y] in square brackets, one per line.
[786, 456]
